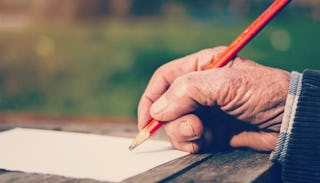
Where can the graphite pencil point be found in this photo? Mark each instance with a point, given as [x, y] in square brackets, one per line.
[132, 147]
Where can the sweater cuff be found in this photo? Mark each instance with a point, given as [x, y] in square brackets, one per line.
[288, 117]
[302, 159]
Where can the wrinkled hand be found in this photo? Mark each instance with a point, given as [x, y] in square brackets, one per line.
[243, 97]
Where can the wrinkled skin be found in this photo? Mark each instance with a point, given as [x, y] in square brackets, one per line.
[238, 105]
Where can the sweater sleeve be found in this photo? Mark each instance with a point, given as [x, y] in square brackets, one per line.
[298, 148]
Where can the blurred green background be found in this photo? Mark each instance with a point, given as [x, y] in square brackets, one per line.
[95, 57]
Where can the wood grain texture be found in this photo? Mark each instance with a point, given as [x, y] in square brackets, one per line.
[236, 166]
[170, 169]
[12, 177]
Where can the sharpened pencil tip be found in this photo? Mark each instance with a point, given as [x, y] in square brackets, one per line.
[142, 136]
[132, 147]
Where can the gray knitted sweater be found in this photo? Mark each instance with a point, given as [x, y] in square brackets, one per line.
[298, 148]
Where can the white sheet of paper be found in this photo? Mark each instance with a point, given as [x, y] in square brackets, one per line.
[80, 155]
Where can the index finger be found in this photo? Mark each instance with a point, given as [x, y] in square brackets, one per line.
[167, 73]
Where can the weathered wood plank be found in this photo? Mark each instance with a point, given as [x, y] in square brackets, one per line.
[17, 177]
[169, 169]
[236, 166]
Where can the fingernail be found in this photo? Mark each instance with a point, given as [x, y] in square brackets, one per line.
[159, 105]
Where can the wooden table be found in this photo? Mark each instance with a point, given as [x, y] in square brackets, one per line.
[234, 166]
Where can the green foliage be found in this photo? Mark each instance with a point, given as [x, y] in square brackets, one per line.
[102, 69]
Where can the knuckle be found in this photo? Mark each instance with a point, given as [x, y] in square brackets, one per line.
[165, 69]
[184, 85]
[192, 86]
[161, 70]
[228, 76]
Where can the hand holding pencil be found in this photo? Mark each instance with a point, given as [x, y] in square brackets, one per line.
[162, 92]
[243, 89]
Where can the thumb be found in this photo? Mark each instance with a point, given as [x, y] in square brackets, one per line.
[183, 97]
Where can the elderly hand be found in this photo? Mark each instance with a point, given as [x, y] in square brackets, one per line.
[241, 92]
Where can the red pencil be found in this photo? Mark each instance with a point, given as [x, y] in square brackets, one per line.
[222, 59]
